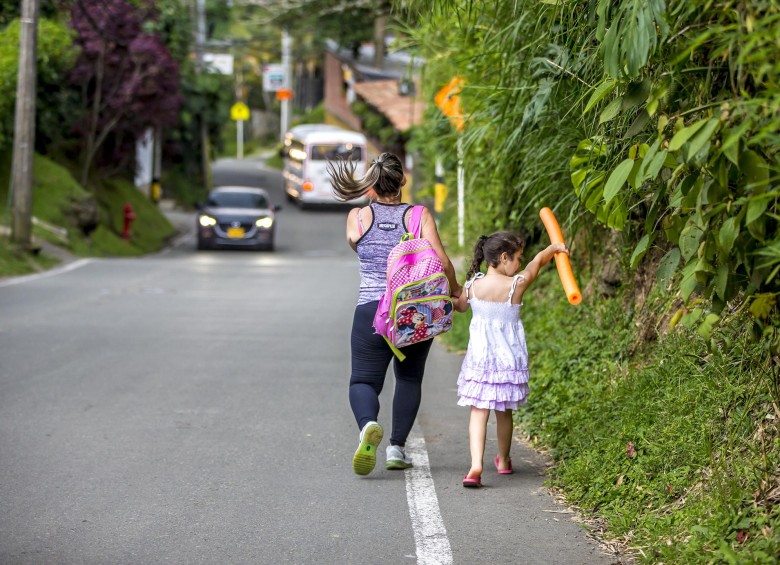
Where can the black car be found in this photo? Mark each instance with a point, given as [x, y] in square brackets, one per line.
[237, 217]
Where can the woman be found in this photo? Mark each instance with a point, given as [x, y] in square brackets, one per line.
[372, 231]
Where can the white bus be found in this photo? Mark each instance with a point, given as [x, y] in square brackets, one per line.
[307, 150]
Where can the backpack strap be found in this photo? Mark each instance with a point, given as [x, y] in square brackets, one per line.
[415, 222]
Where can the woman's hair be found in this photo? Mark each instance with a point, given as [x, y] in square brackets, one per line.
[384, 175]
[490, 248]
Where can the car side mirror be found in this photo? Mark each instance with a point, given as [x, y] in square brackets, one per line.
[276, 207]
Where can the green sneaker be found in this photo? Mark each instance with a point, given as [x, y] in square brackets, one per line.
[397, 458]
[364, 460]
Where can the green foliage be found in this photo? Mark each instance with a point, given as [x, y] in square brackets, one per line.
[678, 448]
[55, 57]
[662, 117]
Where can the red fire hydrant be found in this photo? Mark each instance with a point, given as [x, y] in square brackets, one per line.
[129, 216]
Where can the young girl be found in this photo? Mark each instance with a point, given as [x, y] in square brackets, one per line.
[494, 375]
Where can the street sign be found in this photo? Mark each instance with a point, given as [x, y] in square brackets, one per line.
[284, 94]
[219, 62]
[239, 112]
[448, 101]
[274, 78]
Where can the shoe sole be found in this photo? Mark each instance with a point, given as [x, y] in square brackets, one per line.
[397, 464]
[364, 460]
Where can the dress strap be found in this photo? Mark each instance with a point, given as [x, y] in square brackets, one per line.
[514, 284]
[470, 283]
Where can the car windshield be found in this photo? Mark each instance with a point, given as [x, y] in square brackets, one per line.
[333, 152]
[237, 200]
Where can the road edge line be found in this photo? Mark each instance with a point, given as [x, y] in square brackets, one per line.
[430, 535]
[50, 273]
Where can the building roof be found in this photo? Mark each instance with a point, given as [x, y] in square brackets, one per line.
[402, 111]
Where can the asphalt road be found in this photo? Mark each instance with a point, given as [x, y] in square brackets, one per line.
[191, 407]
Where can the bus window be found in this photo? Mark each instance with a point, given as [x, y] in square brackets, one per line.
[334, 152]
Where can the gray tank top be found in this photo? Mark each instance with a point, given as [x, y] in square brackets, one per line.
[375, 245]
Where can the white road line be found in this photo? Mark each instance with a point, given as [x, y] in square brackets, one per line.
[430, 535]
[56, 271]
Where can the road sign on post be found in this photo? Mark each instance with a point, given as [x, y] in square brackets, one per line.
[239, 112]
[448, 101]
[274, 78]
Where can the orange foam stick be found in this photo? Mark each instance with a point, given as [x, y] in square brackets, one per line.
[565, 273]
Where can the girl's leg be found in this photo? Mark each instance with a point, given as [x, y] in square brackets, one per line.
[504, 428]
[477, 431]
[370, 359]
[408, 389]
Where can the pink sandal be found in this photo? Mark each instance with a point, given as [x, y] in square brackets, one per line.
[503, 471]
[475, 482]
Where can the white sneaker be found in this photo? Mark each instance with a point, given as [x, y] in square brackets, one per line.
[397, 458]
[365, 457]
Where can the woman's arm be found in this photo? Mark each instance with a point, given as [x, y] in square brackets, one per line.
[431, 233]
[353, 229]
[461, 302]
[354, 232]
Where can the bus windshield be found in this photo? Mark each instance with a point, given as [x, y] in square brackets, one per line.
[336, 152]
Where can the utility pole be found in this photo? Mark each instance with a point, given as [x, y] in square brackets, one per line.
[200, 40]
[24, 127]
[285, 110]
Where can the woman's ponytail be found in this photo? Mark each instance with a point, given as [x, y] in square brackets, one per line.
[345, 185]
[479, 256]
[385, 175]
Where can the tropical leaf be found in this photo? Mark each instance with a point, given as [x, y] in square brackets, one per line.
[612, 110]
[603, 89]
[668, 266]
[641, 249]
[617, 179]
[685, 134]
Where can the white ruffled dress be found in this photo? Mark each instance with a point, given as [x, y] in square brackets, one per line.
[494, 374]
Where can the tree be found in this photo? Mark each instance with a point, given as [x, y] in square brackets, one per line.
[128, 79]
[55, 59]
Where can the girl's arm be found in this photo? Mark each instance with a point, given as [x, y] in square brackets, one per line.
[431, 233]
[532, 269]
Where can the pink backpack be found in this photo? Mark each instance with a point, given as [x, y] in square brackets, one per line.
[416, 304]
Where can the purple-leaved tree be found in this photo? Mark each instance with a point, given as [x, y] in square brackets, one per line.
[128, 79]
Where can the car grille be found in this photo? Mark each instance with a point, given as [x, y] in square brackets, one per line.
[224, 226]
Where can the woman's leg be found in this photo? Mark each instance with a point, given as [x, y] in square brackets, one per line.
[370, 359]
[477, 431]
[504, 428]
[408, 389]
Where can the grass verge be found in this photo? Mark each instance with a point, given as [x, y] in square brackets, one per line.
[55, 194]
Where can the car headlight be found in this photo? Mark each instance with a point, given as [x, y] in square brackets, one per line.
[207, 221]
[264, 222]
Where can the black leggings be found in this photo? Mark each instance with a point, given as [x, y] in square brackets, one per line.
[370, 359]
